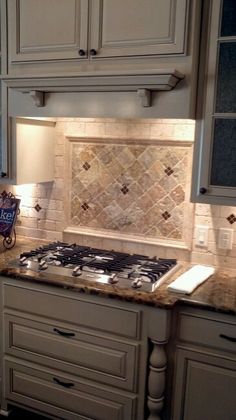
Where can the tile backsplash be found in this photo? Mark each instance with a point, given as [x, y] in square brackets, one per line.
[132, 188]
[130, 178]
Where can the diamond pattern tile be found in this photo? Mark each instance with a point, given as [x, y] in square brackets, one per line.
[85, 206]
[231, 218]
[169, 171]
[86, 166]
[38, 207]
[132, 188]
[166, 215]
[124, 189]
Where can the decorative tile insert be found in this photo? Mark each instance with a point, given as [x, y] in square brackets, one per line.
[86, 166]
[128, 188]
[85, 206]
[166, 215]
[38, 207]
[124, 189]
[168, 171]
[231, 219]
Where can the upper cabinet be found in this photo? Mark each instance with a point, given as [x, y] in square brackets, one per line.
[42, 30]
[28, 148]
[137, 46]
[214, 175]
[137, 28]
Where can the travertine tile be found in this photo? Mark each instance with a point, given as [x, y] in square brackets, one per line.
[136, 196]
[137, 213]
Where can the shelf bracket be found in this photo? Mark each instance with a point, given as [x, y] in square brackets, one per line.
[38, 97]
[145, 96]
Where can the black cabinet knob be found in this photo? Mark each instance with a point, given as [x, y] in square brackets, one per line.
[93, 52]
[203, 190]
[81, 53]
[3, 174]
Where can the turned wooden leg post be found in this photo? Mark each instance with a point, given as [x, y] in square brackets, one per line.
[156, 380]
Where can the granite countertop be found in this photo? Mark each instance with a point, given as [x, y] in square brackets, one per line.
[218, 293]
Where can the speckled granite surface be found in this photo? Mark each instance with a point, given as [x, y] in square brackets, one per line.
[218, 293]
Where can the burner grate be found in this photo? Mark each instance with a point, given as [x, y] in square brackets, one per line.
[72, 259]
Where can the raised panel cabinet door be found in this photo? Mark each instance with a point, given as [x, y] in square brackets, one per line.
[65, 396]
[47, 29]
[205, 387]
[138, 27]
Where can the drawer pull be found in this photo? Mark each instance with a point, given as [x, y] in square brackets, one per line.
[65, 384]
[63, 333]
[226, 337]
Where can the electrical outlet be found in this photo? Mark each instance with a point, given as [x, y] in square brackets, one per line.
[202, 235]
[225, 239]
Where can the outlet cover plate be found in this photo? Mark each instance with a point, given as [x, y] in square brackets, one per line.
[225, 238]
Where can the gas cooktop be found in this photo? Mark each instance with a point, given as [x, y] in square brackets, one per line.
[131, 271]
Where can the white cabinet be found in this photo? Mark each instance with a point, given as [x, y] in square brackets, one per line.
[214, 174]
[82, 357]
[64, 396]
[105, 46]
[208, 386]
[28, 151]
[26, 145]
[205, 366]
[47, 30]
[138, 28]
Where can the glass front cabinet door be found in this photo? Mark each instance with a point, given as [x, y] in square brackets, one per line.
[4, 121]
[214, 169]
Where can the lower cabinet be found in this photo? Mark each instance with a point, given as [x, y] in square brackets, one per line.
[205, 367]
[85, 354]
[72, 356]
[208, 386]
[64, 396]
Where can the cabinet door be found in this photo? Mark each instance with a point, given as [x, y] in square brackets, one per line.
[138, 27]
[205, 387]
[47, 29]
[214, 176]
[4, 137]
[3, 99]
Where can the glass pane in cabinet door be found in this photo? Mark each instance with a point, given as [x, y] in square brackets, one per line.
[228, 23]
[0, 143]
[0, 131]
[226, 83]
[223, 169]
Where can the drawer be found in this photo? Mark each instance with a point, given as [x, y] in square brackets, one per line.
[64, 396]
[208, 330]
[93, 314]
[87, 355]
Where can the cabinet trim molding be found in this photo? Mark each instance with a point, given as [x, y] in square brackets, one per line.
[127, 81]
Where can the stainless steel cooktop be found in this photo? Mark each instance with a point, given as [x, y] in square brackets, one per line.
[132, 271]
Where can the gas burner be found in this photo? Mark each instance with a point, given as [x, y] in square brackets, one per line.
[133, 271]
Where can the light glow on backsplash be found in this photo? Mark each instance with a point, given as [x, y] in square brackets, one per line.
[24, 192]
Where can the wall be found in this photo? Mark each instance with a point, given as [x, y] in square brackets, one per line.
[46, 210]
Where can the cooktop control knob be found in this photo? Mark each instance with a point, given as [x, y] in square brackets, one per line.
[23, 261]
[113, 279]
[136, 283]
[43, 265]
[76, 271]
